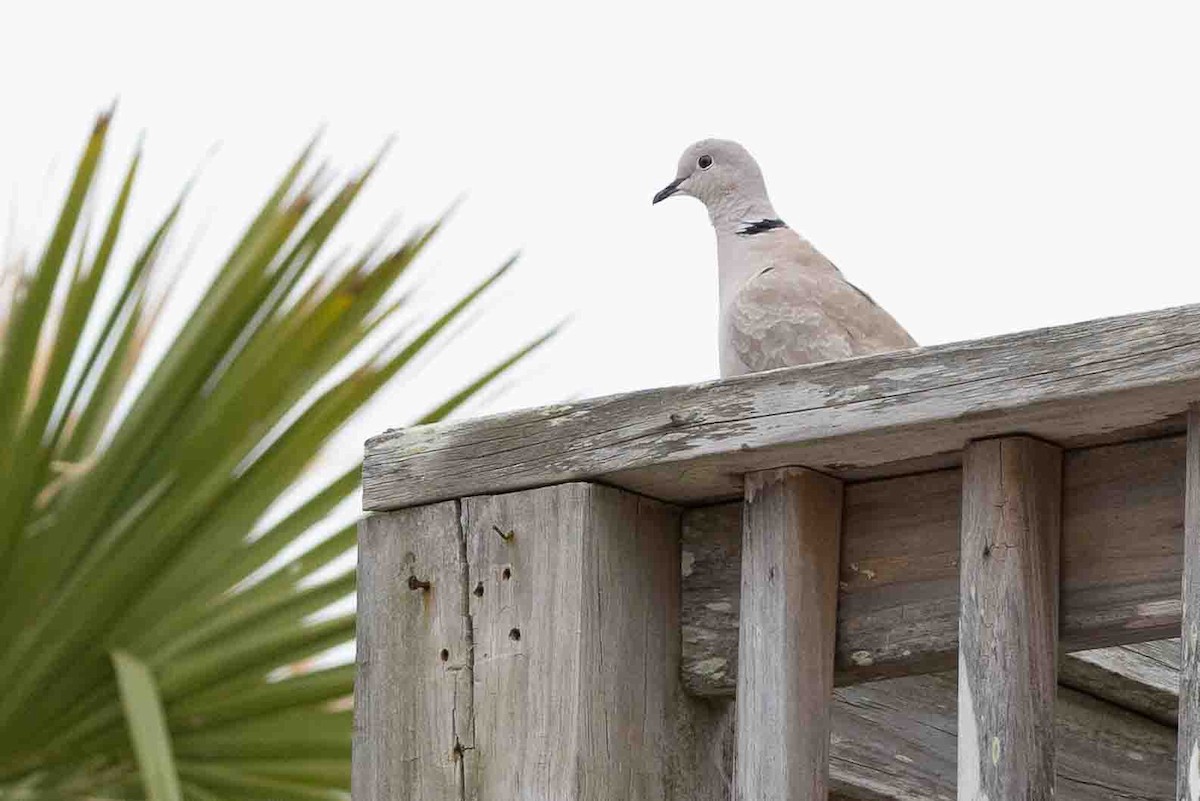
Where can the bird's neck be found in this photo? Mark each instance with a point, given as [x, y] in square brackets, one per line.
[733, 213]
[742, 254]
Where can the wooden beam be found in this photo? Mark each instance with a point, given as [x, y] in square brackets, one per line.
[1008, 618]
[1122, 554]
[1189, 685]
[789, 573]
[1142, 678]
[861, 418]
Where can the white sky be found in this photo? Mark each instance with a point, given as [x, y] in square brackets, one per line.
[976, 170]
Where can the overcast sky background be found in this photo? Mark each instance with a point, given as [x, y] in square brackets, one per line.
[977, 170]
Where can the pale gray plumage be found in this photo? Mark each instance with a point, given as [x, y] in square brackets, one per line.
[782, 302]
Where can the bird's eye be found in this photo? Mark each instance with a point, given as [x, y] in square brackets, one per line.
[704, 162]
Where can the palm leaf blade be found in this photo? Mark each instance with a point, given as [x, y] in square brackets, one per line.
[147, 728]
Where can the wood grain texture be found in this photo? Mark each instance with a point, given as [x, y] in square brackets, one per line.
[896, 740]
[1189, 686]
[790, 538]
[412, 717]
[1122, 554]
[574, 603]
[1142, 678]
[1008, 619]
[865, 417]
[896, 734]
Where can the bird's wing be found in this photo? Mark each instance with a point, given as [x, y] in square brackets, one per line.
[796, 314]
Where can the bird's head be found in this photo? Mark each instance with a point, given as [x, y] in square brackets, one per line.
[716, 171]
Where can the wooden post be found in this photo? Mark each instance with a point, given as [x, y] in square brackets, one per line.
[575, 602]
[790, 538]
[1188, 753]
[1008, 619]
[541, 663]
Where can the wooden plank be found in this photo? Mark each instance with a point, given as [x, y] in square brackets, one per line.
[1008, 618]
[896, 739]
[792, 526]
[412, 693]
[898, 594]
[859, 418]
[1122, 548]
[575, 610]
[1142, 678]
[1189, 684]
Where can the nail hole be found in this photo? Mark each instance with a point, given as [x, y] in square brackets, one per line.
[507, 574]
[515, 635]
[479, 590]
[444, 654]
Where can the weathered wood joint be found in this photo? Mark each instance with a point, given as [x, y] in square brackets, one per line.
[563, 603]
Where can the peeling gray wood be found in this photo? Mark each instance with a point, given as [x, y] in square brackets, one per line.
[1189, 686]
[866, 417]
[574, 602]
[412, 715]
[1142, 678]
[711, 569]
[1008, 619]
[790, 536]
[1122, 554]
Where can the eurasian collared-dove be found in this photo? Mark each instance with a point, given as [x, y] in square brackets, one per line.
[782, 302]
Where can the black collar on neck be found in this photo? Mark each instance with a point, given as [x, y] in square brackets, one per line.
[761, 227]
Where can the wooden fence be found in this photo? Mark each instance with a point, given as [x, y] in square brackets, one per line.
[559, 603]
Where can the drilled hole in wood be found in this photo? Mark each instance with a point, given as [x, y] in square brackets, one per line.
[507, 574]
[514, 635]
[444, 654]
[479, 590]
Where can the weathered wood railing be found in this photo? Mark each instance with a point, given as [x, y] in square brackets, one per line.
[526, 630]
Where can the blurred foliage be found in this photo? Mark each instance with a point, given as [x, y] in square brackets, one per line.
[153, 641]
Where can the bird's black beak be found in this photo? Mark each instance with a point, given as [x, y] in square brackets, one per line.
[667, 191]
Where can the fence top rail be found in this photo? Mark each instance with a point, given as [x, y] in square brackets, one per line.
[1104, 380]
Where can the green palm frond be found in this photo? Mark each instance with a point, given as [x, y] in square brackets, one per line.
[154, 632]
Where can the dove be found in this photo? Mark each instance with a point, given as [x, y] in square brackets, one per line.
[782, 303]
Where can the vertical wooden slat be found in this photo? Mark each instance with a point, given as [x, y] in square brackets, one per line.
[1008, 619]
[790, 537]
[1188, 754]
[574, 601]
[412, 720]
